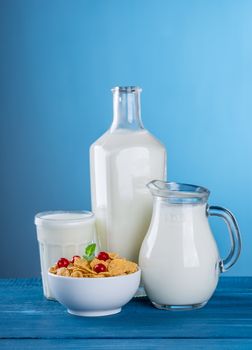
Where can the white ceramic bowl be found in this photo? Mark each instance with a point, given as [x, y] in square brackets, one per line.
[94, 296]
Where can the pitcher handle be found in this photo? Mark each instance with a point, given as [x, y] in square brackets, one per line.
[234, 233]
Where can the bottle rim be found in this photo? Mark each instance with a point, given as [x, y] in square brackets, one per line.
[126, 89]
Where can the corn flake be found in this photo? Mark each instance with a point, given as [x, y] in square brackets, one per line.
[63, 271]
[77, 273]
[121, 266]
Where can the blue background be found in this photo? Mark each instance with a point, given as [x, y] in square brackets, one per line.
[58, 61]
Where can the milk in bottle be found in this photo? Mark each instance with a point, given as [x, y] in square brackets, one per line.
[122, 162]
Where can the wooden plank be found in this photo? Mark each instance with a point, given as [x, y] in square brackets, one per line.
[123, 344]
[225, 282]
[24, 313]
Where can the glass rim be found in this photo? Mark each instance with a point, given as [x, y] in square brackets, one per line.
[126, 89]
[81, 215]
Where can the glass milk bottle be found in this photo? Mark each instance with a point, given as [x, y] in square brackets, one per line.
[122, 162]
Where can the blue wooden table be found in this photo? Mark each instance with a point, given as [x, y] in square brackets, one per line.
[29, 321]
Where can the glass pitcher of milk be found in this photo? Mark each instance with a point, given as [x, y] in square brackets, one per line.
[179, 258]
[122, 162]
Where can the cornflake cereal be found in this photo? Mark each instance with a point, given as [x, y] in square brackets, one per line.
[121, 266]
[105, 264]
[63, 271]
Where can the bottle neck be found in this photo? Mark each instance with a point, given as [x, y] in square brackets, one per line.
[126, 109]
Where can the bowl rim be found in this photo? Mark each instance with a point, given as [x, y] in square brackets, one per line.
[94, 278]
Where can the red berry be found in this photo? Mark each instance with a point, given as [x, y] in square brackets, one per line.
[74, 258]
[63, 262]
[103, 256]
[100, 268]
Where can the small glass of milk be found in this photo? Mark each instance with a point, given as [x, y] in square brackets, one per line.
[62, 234]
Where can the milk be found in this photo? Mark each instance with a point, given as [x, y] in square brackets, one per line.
[122, 162]
[179, 257]
[62, 234]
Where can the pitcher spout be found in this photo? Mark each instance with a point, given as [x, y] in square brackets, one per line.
[156, 187]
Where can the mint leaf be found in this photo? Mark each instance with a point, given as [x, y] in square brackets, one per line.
[89, 251]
